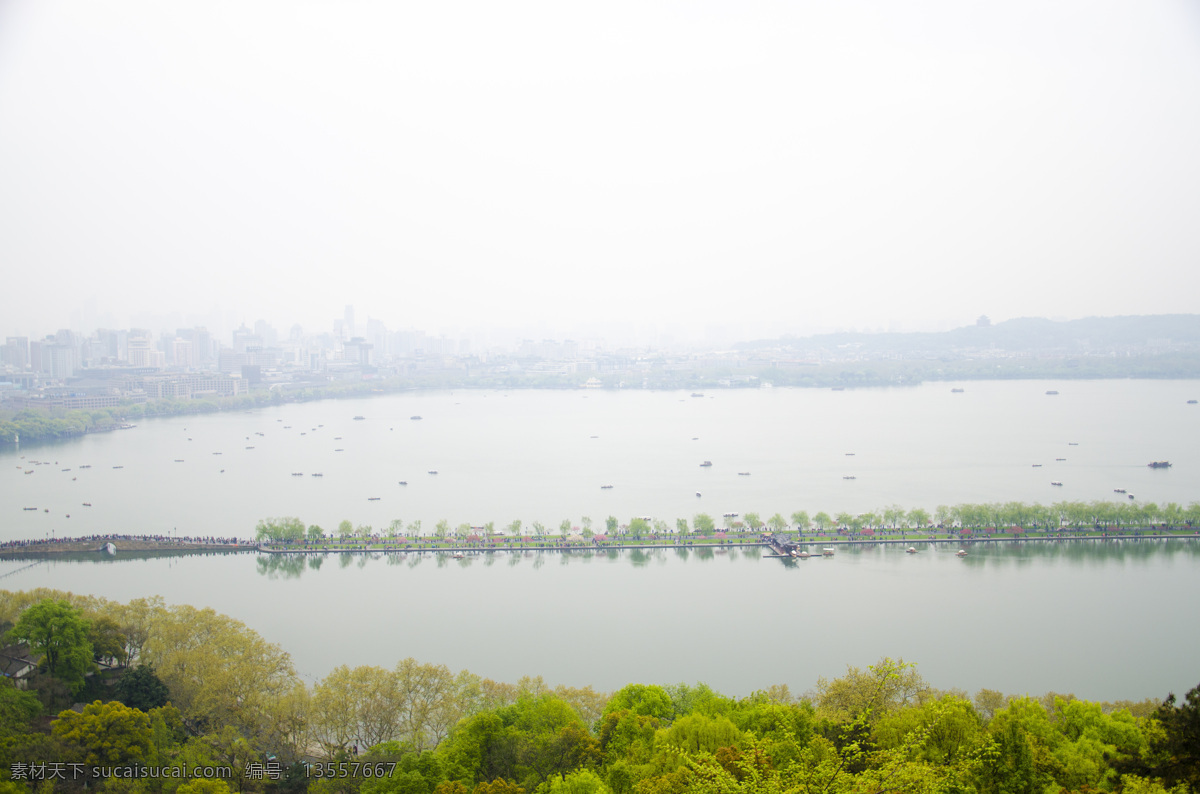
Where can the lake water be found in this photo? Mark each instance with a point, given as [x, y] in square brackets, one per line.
[1102, 620]
[531, 455]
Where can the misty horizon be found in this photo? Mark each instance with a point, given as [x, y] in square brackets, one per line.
[667, 170]
[222, 325]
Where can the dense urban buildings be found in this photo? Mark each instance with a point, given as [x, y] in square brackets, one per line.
[104, 368]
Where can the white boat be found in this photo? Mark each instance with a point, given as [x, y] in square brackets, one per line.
[911, 550]
[960, 553]
[827, 552]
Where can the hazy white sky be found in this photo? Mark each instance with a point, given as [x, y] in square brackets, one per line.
[794, 165]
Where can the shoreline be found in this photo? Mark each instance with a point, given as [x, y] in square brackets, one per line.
[30, 549]
[475, 550]
[95, 546]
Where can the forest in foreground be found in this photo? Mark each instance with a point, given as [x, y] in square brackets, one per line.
[147, 697]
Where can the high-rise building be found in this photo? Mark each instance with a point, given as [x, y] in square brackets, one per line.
[115, 344]
[183, 353]
[245, 340]
[16, 352]
[39, 359]
[140, 346]
[267, 333]
[377, 335]
[348, 322]
[358, 351]
[201, 341]
[62, 360]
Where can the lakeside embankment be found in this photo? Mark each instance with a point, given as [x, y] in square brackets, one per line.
[97, 543]
[29, 548]
[675, 543]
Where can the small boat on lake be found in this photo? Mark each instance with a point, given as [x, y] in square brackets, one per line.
[849, 477]
[827, 552]
[372, 498]
[697, 493]
[706, 464]
[960, 553]
[1059, 484]
[605, 487]
[433, 471]
[415, 418]
[957, 391]
[1118, 490]
[356, 419]
[297, 474]
[911, 550]
[314, 474]
[1191, 402]
[743, 474]
[1159, 464]
[1051, 392]
[1037, 465]
[403, 482]
[87, 504]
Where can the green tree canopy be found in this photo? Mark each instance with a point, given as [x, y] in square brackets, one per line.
[287, 529]
[141, 689]
[106, 733]
[60, 633]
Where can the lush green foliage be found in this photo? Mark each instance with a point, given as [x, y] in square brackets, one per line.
[60, 634]
[239, 706]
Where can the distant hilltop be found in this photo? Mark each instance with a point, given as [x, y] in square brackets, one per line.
[1140, 334]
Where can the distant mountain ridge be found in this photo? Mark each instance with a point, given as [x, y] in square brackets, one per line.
[1158, 332]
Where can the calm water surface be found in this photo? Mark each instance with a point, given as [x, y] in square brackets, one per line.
[542, 456]
[1104, 621]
